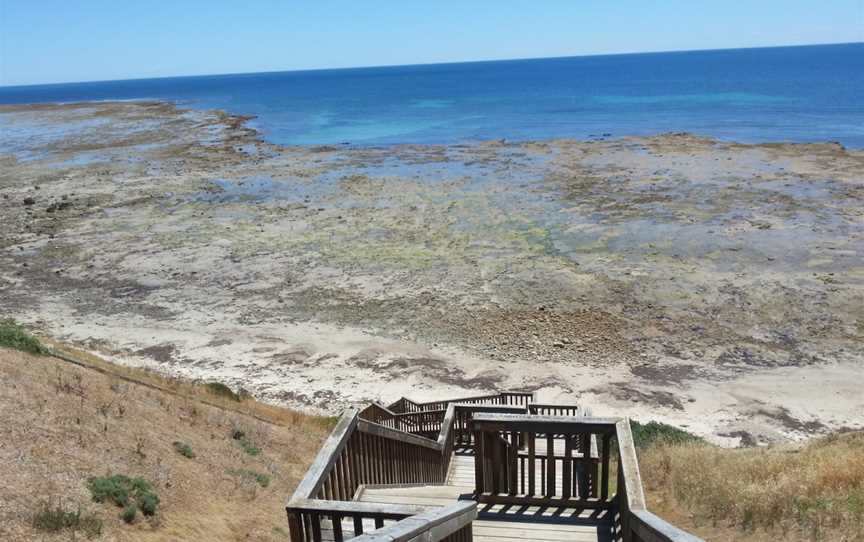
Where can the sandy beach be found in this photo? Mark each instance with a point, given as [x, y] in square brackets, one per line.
[712, 285]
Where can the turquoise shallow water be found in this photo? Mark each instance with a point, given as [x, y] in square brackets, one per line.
[812, 93]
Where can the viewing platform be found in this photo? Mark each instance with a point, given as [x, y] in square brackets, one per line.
[494, 468]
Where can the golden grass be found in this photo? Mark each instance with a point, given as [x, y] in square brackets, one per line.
[812, 492]
[63, 423]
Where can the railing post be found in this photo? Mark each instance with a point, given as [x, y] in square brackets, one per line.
[295, 528]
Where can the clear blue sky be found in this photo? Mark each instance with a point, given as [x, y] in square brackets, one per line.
[44, 41]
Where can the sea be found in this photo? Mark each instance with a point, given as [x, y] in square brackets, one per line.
[799, 94]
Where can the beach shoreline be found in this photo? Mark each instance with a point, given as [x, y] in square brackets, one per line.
[713, 285]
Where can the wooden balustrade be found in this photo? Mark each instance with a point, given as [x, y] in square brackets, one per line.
[526, 454]
[553, 465]
[449, 524]
[634, 522]
[359, 452]
[545, 409]
[426, 423]
[380, 414]
[465, 413]
[511, 398]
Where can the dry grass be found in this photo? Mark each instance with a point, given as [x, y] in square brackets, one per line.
[63, 424]
[814, 492]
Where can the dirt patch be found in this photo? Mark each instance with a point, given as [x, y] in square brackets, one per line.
[667, 375]
[163, 353]
[785, 418]
[624, 392]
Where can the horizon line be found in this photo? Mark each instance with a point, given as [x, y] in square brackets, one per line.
[434, 63]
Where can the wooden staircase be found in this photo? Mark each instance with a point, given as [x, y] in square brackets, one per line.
[498, 467]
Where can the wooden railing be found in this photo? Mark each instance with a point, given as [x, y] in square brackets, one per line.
[362, 452]
[634, 522]
[511, 398]
[518, 460]
[543, 460]
[523, 456]
[450, 524]
[465, 414]
[545, 409]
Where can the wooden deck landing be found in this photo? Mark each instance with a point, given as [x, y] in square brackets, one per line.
[498, 523]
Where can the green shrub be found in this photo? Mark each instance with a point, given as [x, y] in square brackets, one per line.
[646, 434]
[125, 492]
[218, 388]
[53, 518]
[129, 513]
[262, 480]
[110, 488]
[248, 446]
[184, 449]
[148, 502]
[13, 335]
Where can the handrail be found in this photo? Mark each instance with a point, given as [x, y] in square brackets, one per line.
[649, 528]
[395, 434]
[361, 451]
[357, 452]
[525, 398]
[637, 523]
[397, 511]
[517, 422]
[448, 523]
[327, 455]
[628, 466]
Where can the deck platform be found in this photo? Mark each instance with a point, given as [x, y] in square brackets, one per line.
[498, 523]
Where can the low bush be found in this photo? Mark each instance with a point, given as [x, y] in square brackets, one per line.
[262, 480]
[220, 389]
[646, 434]
[184, 449]
[125, 492]
[53, 517]
[248, 446]
[13, 335]
[130, 512]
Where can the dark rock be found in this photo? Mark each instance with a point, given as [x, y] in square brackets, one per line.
[29, 201]
[58, 206]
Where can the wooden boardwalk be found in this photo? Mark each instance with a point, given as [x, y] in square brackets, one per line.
[498, 523]
[492, 468]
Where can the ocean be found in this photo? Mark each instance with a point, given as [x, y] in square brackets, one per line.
[808, 93]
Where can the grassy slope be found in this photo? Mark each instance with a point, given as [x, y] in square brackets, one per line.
[814, 492]
[62, 424]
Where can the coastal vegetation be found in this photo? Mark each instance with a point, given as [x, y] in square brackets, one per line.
[117, 453]
[52, 516]
[13, 335]
[647, 434]
[813, 491]
[131, 494]
[184, 449]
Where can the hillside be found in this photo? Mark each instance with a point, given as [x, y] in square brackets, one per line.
[813, 491]
[218, 466]
[64, 424]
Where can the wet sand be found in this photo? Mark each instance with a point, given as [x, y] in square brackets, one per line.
[712, 285]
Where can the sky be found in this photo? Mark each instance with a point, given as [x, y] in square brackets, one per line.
[50, 41]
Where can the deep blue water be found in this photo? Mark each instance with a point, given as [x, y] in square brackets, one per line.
[812, 93]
